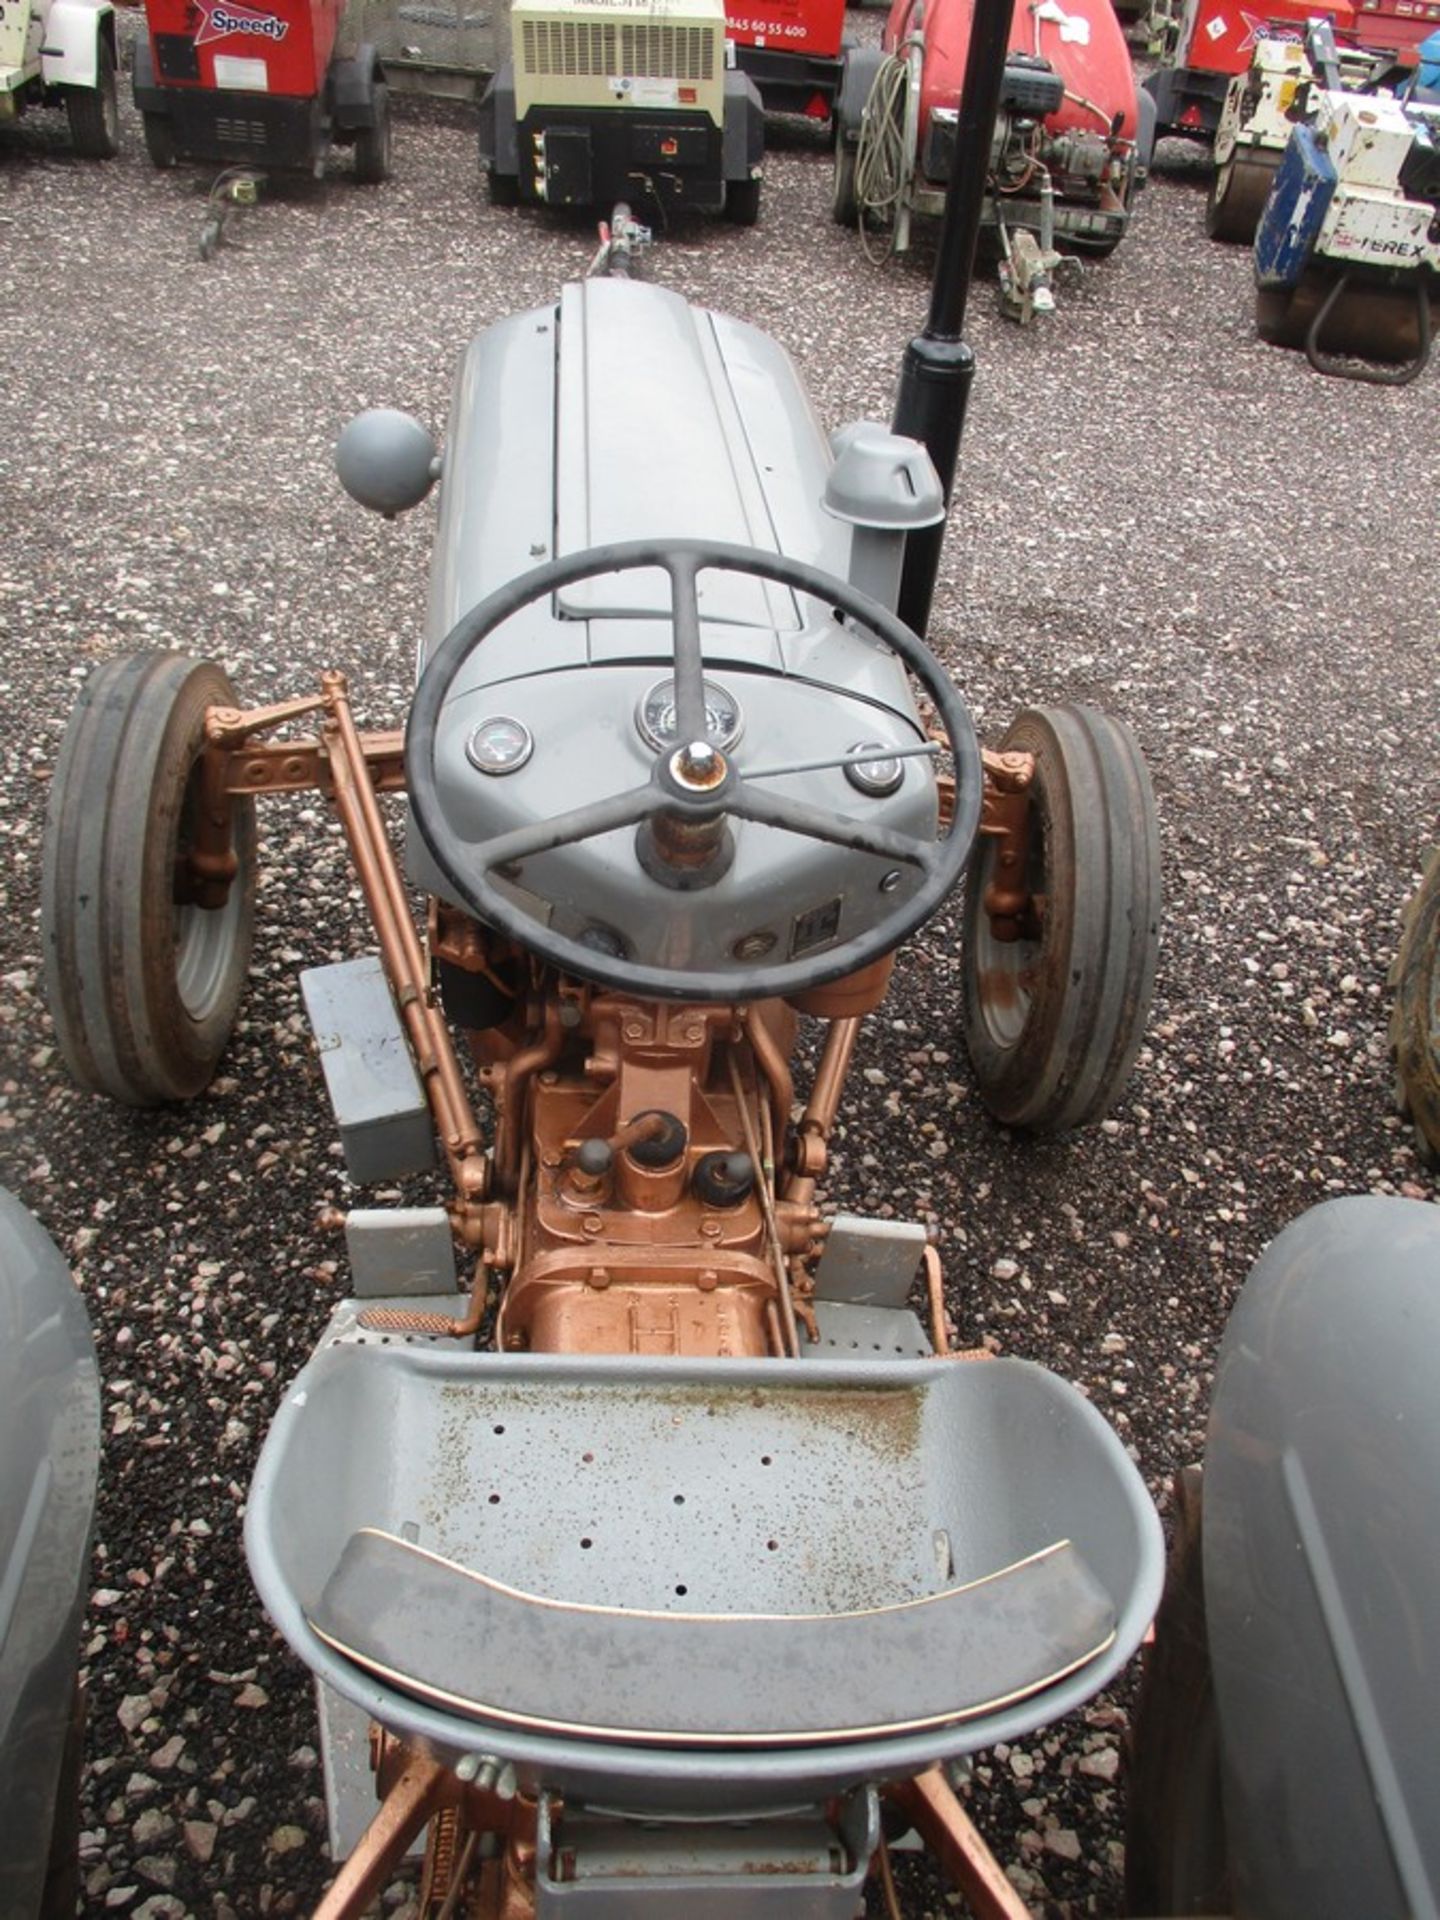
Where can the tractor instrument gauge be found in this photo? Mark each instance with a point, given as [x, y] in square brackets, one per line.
[655, 716]
[499, 745]
[877, 777]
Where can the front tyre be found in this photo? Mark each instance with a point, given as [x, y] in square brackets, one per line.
[94, 112]
[742, 202]
[159, 133]
[844, 203]
[373, 143]
[143, 982]
[1053, 1020]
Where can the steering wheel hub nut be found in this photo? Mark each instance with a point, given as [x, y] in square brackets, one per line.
[698, 766]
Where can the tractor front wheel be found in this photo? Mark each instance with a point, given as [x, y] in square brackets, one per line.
[1053, 1019]
[372, 143]
[143, 981]
[1415, 1014]
[94, 112]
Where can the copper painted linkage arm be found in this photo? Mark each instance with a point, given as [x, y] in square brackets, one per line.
[385, 1842]
[400, 949]
[822, 1107]
[948, 1831]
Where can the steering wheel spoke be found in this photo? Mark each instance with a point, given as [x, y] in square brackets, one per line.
[689, 655]
[836, 829]
[566, 829]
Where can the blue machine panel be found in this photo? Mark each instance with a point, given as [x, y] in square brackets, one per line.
[1298, 203]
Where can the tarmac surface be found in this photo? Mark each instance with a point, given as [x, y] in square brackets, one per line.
[1154, 513]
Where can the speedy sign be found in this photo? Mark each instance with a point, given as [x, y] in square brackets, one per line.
[220, 19]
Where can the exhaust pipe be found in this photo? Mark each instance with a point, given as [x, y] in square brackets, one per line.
[938, 367]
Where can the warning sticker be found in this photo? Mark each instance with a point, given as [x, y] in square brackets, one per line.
[1216, 28]
[646, 93]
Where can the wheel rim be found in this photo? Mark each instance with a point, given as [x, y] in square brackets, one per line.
[205, 937]
[204, 940]
[1006, 969]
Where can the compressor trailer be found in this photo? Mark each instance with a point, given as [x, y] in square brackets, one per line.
[604, 101]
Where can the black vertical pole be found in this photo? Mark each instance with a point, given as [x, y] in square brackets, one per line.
[938, 367]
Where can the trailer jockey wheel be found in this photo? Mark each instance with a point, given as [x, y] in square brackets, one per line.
[142, 980]
[1053, 1019]
[469, 865]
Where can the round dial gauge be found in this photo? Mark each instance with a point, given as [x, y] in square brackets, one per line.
[499, 745]
[655, 716]
[877, 777]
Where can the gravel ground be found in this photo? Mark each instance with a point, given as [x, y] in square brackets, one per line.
[1155, 513]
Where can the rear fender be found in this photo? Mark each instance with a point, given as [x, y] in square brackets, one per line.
[744, 133]
[856, 82]
[1322, 1563]
[73, 32]
[352, 88]
[1145, 135]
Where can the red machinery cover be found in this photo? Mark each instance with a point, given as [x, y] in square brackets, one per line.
[271, 46]
[787, 26]
[1082, 40]
[1399, 25]
[1218, 36]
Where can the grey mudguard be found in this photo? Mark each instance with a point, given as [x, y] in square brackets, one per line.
[49, 1452]
[695, 1489]
[1322, 1567]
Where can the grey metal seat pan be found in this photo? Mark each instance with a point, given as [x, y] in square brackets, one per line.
[617, 1482]
[486, 1649]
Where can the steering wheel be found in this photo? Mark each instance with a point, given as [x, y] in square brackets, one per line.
[692, 783]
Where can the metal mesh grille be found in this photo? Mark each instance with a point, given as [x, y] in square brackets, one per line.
[597, 49]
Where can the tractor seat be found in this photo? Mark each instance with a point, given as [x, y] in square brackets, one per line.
[453, 1637]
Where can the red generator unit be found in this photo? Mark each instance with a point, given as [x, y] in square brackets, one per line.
[792, 49]
[258, 86]
[1070, 149]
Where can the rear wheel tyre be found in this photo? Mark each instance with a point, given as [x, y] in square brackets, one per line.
[1053, 1021]
[1415, 1014]
[742, 202]
[372, 143]
[94, 112]
[159, 132]
[61, 1895]
[503, 188]
[143, 984]
[844, 206]
[1176, 1854]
